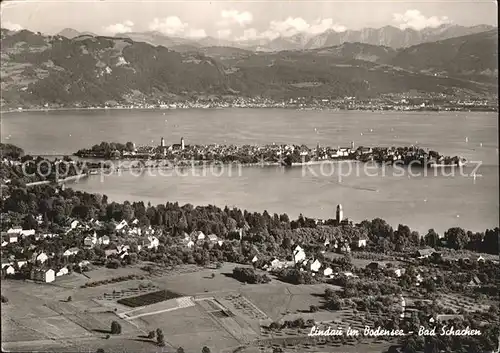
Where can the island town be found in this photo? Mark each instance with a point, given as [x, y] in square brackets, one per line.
[280, 154]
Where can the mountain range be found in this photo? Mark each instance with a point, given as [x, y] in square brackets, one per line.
[386, 36]
[91, 70]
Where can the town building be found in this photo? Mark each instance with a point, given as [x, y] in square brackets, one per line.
[21, 263]
[62, 271]
[110, 252]
[43, 275]
[151, 242]
[120, 226]
[41, 257]
[212, 238]
[187, 242]
[71, 251]
[15, 230]
[104, 240]
[27, 232]
[327, 271]
[198, 235]
[10, 270]
[359, 242]
[299, 255]
[314, 266]
[90, 241]
[10, 237]
[424, 253]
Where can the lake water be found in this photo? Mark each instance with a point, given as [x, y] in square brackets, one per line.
[422, 202]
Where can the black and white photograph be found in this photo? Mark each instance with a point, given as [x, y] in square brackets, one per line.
[273, 176]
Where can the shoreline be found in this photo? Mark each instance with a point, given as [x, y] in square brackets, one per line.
[48, 182]
[306, 109]
[201, 166]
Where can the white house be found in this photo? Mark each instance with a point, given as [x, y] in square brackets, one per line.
[63, 271]
[122, 248]
[255, 259]
[399, 272]
[44, 236]
[10, 270]
[95, 222]
[343, 152]
[43, 275]
[220, 242]
[21, 263]
[424, 253]
[27, 232]
[212, 238]
[71, 251]
[365, 150]
[110, 252]
[327, 271]
[74, 224]
[90, 241]
[298, 254]
[121, 225]
[4, 243]
[349, 274]
[12, 238]
[189, 243]
[359, 242]
[274, 262]
[84, 263]
[198, 235]
[15, 230]
[42, 257]
[104, 240]
[135, 222]
[345, 248]
[152, 242]
[186, 241]
[135, 231]
[314, 265]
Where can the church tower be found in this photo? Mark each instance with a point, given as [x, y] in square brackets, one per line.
[340, 214]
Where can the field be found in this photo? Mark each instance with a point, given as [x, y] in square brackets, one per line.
[457, 303]
[149, 298]
[362, 263]
[218, 312]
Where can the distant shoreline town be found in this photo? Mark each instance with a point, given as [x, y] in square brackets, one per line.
[391, 102]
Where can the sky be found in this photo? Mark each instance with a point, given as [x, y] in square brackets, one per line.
[239, 20]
